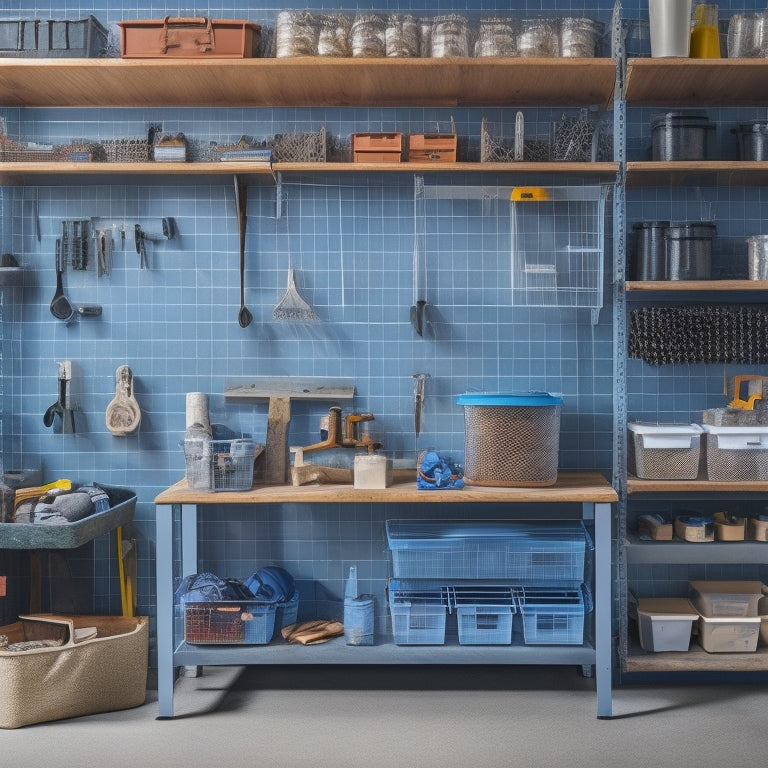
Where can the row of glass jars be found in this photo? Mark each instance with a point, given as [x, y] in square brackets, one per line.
[371, 35]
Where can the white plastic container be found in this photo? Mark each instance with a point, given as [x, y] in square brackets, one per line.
[663, 451]
[722, 634]
[665, 623]
[726, 599]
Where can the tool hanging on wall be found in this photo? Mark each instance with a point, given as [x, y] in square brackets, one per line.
[244, 316]
[123, 413]
[61, 308]
[419, 309]
[63, 405]
[419, 386]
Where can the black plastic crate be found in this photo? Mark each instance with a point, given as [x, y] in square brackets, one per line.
[38, 38]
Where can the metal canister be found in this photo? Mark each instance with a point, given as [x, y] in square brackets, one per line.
[689, 250]
[753, 140]
[757, 257]
[649, 250]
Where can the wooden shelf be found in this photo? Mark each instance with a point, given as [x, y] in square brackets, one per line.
[577, 487]
[695, 660]
[696, 82]
[309, 81]
[710, 173]
[19, 174]
[680, 286]
[636, 485]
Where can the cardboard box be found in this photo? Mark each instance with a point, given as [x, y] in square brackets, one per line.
[654, 527]
[733, 530]
[693, 529]
[104, 672]
[377, 147]
[665, 623]
[432, 147]
[189, 37]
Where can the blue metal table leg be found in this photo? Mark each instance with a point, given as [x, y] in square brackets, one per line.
[603, 602]
[164, 584]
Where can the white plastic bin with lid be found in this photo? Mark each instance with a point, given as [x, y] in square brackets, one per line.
[663, 451]
[726, 598]
[728, 634]
[736, 453]
[665, 623]
[511, 438]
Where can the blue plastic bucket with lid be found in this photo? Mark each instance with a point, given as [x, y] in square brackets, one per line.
[511, 438]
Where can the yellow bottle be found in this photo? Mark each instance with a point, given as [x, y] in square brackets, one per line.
[705, 36]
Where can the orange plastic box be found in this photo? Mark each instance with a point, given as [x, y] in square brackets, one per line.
[377, 147]
[432, 147]
[189, 37]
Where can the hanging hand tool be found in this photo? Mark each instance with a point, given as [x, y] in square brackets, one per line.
[244, 317]
[139, 240]
[420, 380]
[419, 306]
[61, 308]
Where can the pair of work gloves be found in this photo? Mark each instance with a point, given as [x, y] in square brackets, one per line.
[312, 632]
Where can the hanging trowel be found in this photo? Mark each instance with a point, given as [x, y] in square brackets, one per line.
[420, 380]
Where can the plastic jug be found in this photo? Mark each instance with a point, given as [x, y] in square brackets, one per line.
[358, 613]
[705, 36]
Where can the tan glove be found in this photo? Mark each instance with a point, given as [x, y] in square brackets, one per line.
[312, 632]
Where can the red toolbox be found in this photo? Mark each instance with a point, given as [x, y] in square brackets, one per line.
[432, 147]
[377, 147]
[189, 37]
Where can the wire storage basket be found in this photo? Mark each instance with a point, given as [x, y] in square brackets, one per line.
[511, 439]
[220, 465]
[558, 246]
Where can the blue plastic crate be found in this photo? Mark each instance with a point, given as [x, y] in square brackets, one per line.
[229, 622]
[286, 613]
[485, 624]
[527, 552]
[418, 613]
[554, 615]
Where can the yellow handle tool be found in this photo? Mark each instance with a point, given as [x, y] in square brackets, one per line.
[22, 494]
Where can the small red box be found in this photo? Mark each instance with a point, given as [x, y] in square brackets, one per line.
[432, 147]
[189, 37]
[377, 147]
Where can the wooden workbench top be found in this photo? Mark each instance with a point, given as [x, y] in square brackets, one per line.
[588, 486]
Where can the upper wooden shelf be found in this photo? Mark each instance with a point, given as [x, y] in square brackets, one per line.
[310, 81]
[698, 173]
[696, 82]
[581, 487]
[677, 286]
[18, 174]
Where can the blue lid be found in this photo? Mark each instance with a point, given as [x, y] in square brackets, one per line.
[509, 398]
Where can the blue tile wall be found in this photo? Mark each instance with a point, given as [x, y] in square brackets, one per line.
[350, 240]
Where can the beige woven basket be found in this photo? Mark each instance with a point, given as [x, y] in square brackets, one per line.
[104, 673]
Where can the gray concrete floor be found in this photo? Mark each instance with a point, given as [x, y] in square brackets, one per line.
[397, 717]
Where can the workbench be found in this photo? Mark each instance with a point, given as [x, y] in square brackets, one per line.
[176, 517]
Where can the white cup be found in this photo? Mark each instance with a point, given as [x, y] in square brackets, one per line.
[670, 24]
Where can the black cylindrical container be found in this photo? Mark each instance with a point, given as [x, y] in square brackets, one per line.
[753, 141]
[679, 136]
[650, 250]
[689, 250]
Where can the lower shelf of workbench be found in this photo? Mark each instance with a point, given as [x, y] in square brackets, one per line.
[696, 659]
[384, 652]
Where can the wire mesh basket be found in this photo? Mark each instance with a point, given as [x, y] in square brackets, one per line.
[229, 623]
[126, 150]
[496, 147]
[220, 465]
[558, 243]
[300, 147]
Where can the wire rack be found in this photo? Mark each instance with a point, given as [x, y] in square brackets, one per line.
[558, 244]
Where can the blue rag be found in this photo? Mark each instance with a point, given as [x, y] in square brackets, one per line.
[437, 472]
